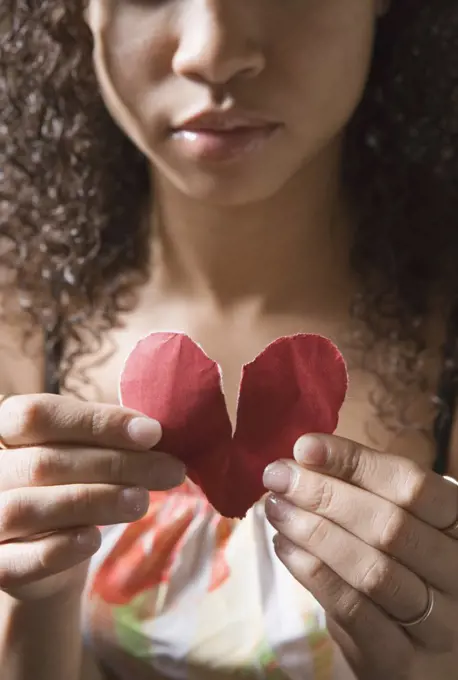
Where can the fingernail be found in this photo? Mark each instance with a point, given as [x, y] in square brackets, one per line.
[172, 476]
[278, 509]
[310, 451]
[277, 477]
[88, 540]
[133, 502]
[283, 546]
[164, 472]
[144, 432]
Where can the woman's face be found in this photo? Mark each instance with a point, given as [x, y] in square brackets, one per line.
[286, 75]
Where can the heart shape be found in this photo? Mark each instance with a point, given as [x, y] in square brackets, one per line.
[295, 386]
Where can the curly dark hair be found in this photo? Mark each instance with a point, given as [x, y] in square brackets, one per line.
[72, 188]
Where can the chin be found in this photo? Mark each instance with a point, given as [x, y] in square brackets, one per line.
[231, 193]
[230, 186]
[249, 180]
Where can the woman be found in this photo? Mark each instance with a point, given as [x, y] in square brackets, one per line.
[303, 160]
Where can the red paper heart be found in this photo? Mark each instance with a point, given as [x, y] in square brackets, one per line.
[296, 385]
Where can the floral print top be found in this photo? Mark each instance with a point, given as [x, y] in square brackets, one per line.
[187, 594]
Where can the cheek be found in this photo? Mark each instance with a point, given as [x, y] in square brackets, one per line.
[317, 66]
[132, 47]
[326, 66]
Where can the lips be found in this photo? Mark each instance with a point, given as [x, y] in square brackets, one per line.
[296, 385]
[220, 121]
[222, 136]
[221, 146]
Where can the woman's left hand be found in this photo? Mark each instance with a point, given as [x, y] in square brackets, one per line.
[374, 538]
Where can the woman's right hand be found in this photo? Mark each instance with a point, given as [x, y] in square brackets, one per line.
[69, 467]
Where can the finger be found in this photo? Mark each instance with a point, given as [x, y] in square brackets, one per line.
[26, 562]
[28, 420]
[352, 653]
[41, 466]
[361, 665]
[386, 647]
[26, 512]
[422, 549]
[425, 494]
[452, 529]
[399, 592]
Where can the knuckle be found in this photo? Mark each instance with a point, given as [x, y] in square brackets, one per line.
[113, 467]
[320, 497]
[81, 501]
[350, 461]
[27, 415]
[41, 466]
[45, 558]
[13, 513]
[395, 531]
[349, 606]
[378, 578]
[415, 487]
[318, 572]
[315, 570]
[315, 530]
[95, 421]
[6, 577]
[118, 468]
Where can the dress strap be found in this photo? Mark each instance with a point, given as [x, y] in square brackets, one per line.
[443, 425]
[447, 396]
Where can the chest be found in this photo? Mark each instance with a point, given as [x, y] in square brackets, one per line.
[237, 340]
[233, 341]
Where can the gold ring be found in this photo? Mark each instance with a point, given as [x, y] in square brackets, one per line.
[424, 616]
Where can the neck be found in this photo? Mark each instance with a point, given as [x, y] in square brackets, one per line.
[293, 244]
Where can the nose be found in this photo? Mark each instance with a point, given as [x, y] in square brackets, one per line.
[218, 42]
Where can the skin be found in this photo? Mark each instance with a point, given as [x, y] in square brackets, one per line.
[287, 61]
[279, 219]
[381, 515]
[160, 65]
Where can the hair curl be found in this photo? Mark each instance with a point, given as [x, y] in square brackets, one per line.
[72, 244]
